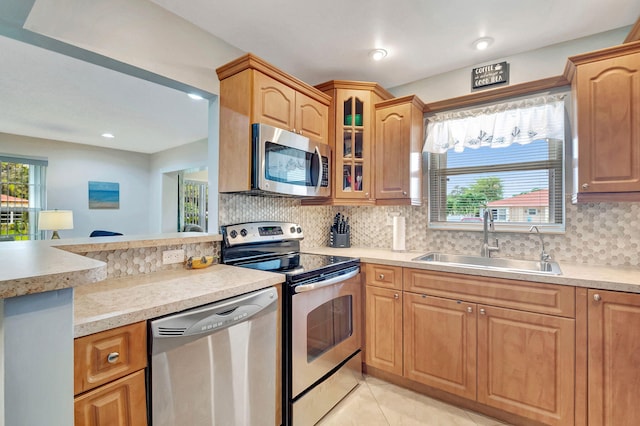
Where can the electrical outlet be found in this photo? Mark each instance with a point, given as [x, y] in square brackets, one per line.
[172, 256]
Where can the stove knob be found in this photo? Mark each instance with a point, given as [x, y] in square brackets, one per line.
[243, 232]
[299, 230]
[233, 234]
[292, 230]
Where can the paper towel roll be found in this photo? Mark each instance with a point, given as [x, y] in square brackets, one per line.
[398, 234]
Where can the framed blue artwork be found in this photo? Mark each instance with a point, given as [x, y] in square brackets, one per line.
[104, 195]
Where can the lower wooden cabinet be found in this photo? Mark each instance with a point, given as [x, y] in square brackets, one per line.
[613, 358]
[383, 335]
[526, 364]
[440, 343]
[109, 377]
[121, 402]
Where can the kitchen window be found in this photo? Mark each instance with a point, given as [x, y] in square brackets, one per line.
[508, 158]
[22, 196]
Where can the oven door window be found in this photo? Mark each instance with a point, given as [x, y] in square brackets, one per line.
[328, 325]
[291, 165]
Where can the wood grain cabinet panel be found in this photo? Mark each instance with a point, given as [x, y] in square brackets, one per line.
[613, 358]
[398, 149]
[119, 403]
[384, 276]
[440, 343]
[274, 103]
[383, 336]
[526, 364]
[311, 119]
[606, 88]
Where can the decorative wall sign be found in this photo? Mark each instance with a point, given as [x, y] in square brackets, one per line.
[104, 195]
[489, 75]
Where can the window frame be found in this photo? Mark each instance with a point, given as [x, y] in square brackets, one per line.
[556, 166]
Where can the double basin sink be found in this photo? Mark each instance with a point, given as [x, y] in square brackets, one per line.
[491, 263]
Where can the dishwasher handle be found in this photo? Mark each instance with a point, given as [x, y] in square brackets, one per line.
[178, 329]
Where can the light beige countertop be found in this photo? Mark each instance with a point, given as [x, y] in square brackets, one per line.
[600, 277]
[121, 301]
[29, 267]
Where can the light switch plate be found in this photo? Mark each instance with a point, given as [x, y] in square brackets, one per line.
[172, 256]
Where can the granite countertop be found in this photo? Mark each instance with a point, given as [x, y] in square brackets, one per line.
[600, 277]
[121, 301]
[29, 267]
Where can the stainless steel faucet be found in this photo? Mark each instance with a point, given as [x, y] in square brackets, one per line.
[544, 256]
[487, 223]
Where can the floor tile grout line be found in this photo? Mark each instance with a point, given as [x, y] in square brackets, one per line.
[386, 419]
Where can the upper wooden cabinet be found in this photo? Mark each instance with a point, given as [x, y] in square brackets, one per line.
[254, 91]
[351, 136]
[606, 90]
[398, 151]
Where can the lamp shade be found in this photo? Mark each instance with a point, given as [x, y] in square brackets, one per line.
[55, 220]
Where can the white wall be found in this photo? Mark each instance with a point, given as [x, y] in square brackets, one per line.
[163, 185]
[524, 67]
[72, 166]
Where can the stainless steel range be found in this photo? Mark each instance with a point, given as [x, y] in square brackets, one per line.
[321, 315]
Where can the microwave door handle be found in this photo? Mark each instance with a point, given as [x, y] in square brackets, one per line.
[319, 156]
[331, 281]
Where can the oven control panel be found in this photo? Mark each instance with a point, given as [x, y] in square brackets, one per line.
[261, 232]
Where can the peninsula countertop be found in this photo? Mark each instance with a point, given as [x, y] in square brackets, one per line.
[617, 278]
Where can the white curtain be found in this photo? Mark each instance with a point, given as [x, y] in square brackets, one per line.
[496, 126]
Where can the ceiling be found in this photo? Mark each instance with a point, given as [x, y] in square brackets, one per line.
[49, 95]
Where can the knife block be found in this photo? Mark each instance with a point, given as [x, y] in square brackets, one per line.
[340, 240]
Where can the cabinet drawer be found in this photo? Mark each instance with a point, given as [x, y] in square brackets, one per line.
[122, 402]
[523, 295]
[384, 276]
[102, 357]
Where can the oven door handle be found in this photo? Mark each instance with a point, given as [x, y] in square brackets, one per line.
[331, 281]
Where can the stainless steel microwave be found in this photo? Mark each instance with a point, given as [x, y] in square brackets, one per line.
[286, 163]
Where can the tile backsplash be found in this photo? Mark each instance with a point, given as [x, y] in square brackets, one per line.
[596, 233]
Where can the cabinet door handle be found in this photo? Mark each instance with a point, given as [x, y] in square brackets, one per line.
[585, 186]
[404, 192]
[381, 277]
[597, 297]
[469, 309]
[366, 194]
[483, 312]
[112, 358]
[396, 296]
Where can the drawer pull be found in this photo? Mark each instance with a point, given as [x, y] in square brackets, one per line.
[469, 309]
[597, 297]
[396, 296]
[381, 277]
[483, 312]
[112, 358]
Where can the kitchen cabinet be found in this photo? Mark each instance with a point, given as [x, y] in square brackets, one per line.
[383, 324]
[254, 91]
[351, 136]
[525, 358]
[398, 151]
[606, 92]
[613, 356]
[109, 379]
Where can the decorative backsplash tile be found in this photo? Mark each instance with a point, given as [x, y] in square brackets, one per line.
[596, 233]
[145, 260]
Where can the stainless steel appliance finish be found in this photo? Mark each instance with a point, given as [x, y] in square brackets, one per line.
[216, 365]
[495, 263]
[286, 163]
[321, 315]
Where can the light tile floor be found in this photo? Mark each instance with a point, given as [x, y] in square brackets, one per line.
[378, 403]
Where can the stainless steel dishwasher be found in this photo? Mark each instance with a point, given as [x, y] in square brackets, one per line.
[216, 364]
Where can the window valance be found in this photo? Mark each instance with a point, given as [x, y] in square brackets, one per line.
[497, 125]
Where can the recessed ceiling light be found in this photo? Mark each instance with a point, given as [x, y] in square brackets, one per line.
[377, 54]
[482, 43]
[108, 135]
[195, 96]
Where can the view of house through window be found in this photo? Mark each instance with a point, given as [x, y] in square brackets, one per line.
[520, 181]
[22, 196]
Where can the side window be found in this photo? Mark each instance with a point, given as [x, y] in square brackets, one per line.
[22, 196]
